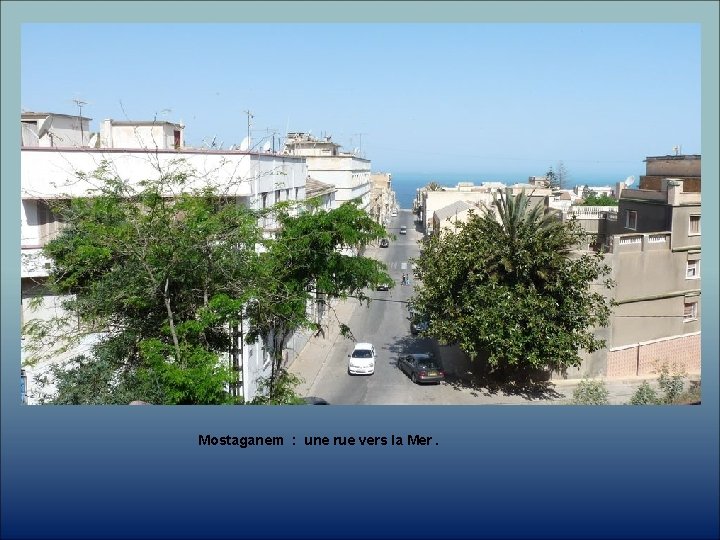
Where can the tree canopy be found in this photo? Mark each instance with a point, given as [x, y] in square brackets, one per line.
[164, 279]
[509, 284]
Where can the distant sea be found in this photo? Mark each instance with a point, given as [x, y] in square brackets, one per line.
[406, 185]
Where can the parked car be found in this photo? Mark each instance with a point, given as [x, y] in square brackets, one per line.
[362, 359]
[418, 323]
[421, 368]
[384, 242]
[403, 230]
[383, 287]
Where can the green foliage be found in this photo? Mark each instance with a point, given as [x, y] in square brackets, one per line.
[164, 278]
[308, 261]
[672, 390]
[164, 272]
[280, 391]
[512, 288]
[645, 395]
[590, 392]
[671, 384]
[599, 200]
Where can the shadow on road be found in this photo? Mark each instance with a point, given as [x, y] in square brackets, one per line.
[492, 384]
[476, 376]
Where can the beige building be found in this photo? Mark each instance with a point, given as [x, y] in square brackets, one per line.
[382, 197]
[653, 245]
[449, 217]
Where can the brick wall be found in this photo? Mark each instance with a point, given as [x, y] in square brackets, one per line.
[680, 352]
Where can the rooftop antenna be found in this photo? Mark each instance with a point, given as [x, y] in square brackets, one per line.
[249, 116]
[80, 103]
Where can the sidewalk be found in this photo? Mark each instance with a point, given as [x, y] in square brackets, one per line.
[313, 356]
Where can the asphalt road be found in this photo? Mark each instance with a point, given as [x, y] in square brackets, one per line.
[384, 323]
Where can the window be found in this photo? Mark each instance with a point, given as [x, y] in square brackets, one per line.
[277, 195]
[694, 225]
[693, 269]
[690, 312]
[631, 219]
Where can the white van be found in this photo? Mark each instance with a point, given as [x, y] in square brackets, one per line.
[362, 360]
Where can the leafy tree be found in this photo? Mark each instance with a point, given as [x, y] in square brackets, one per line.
[161, 278]
[308, 261]
[599, 200]
[552, 179]
[558, 179]
[164, 273]
[509, 284]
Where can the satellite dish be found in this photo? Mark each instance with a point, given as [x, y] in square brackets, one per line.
[266, 147]
[92, 143]
[45, 127]
[245, 144]
[629, 181]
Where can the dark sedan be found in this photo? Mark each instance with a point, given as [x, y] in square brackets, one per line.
[418, 323]
[384, 243]
[421, 368]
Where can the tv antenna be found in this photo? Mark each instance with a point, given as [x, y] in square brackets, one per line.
[249, 117]
[80, 103]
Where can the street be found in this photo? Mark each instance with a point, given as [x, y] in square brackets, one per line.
[385, 324]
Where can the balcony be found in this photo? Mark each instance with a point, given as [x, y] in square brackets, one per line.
[33, 263]
[637, 242]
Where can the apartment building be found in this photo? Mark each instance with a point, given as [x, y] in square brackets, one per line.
[55, 148]
[348, 172]
[653, 246]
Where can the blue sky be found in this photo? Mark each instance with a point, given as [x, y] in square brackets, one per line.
[462, 98]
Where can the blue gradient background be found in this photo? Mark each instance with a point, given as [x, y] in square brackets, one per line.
[500, 472]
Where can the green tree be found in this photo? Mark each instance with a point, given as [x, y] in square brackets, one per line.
[161, 278]
[552, 179]
[599, 200]
[309, 261]
[509, 284]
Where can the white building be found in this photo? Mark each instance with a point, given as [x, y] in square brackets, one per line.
[54, 156]
[348, 172]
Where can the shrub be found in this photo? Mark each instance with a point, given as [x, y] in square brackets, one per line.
[645, 395]
[671, 385]
[590, 393]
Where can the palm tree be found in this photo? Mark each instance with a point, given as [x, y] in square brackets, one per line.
[521, 230]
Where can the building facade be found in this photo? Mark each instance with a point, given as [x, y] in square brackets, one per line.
[135, 151]
[348, 172]
[653, 246]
